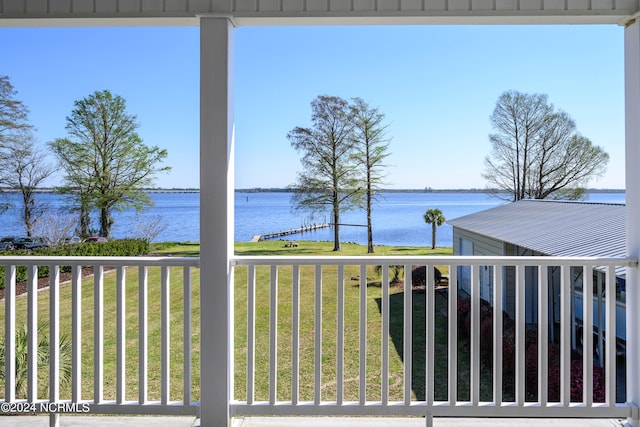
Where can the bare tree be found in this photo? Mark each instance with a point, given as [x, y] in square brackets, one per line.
[13, 113]
[148, 228]
[25, 168]
[13, 123]
[372, 147]
[537, 152]
[56, 227]
[329, 180]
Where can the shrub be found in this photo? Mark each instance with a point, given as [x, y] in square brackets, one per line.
[464, 308]
[419, 276]
[124, 247]
[531, 357]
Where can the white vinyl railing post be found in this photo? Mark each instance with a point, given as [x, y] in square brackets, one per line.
[216, 219]
[121, 335]
[632, 159]
[98, 334]
[54, 341]
[187, 331]
[76, 337]
[165, 335]
[407, 334]
[32, 334]
[143, 341]
[10, 333]
[543, 335]
[498, 271]
[385, 335]
[363, 335]
[295, 339]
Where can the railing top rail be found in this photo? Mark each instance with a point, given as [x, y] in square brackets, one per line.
[102, 260]
[433, 260]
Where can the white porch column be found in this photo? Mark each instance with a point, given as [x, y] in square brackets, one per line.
[216, 219]
[632, 155]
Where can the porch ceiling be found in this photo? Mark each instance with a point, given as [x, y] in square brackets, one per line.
[315, 12]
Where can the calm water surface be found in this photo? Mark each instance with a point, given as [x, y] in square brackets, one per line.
[397, 217]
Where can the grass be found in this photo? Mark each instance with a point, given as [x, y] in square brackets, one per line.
[177, 249]
[284, 316]
[277, 247]
[329, 324]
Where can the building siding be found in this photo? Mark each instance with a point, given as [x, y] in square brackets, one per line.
[482, 245]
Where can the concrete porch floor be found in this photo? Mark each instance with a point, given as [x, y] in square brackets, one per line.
[162, 421]
[106, 421]
[419, 422]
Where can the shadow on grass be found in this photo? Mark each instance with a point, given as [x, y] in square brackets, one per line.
[418, 356]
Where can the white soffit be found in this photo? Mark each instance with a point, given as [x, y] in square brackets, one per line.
[314, 12]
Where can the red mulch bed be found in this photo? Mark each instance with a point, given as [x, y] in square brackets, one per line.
[43, 282]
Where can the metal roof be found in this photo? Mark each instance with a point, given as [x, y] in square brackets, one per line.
[555, 228]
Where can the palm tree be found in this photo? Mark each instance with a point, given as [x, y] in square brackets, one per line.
[396, 271]
[436, 219]
[42, 355]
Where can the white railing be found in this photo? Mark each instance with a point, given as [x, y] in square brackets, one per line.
[315, 336]
[351, 372]
[127, 367]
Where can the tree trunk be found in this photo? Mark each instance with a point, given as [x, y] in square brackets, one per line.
[105, 222]
[433, 235]
[336, 230]
[27, 211]
[85, 219]
[369, 227]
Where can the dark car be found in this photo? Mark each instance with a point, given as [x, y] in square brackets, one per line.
[30, 243]
[95, 239]
[6, 243]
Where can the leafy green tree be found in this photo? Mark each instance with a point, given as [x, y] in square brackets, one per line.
[78, 182]
[372, 146]
[436, 219]
[329, 180]
[107, 164]
[537, 152]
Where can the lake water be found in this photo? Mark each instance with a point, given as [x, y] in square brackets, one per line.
[397, 217]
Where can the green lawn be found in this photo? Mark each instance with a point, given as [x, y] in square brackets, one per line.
[277, 247]
[329, 322]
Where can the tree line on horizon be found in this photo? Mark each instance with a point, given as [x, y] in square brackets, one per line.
[105, 164]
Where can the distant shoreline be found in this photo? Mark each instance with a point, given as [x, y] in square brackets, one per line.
[287, 190]
[418, 190]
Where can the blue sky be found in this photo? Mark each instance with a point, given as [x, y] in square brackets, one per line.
[437, 86]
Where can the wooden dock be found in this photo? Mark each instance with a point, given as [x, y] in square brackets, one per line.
[276, 234]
